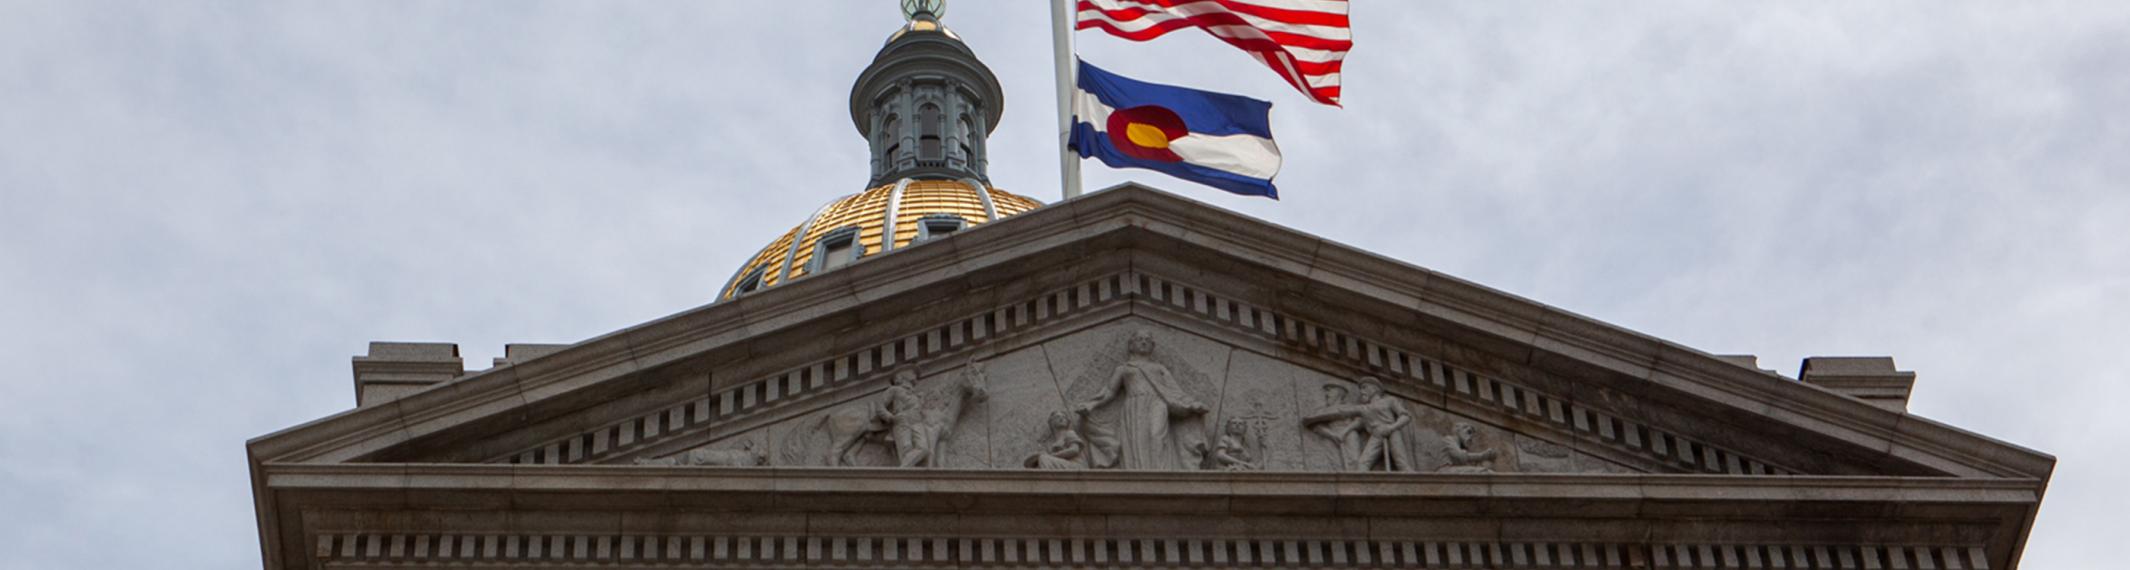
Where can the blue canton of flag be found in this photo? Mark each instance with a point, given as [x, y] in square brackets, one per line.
[1215, 139]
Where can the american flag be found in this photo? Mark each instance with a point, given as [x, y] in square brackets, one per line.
[1305, 41]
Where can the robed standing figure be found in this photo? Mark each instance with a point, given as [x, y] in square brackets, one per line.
[1145, 420]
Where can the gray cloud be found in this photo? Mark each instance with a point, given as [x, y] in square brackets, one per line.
[206, 207]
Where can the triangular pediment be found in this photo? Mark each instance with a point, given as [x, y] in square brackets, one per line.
[1252, 321]
[995, 410]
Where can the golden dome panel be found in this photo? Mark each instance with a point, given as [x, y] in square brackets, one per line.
[914, 203]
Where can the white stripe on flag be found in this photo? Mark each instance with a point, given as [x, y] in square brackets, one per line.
[1251, 156]
[1086, 108]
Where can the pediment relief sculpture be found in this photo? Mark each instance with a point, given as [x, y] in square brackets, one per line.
[1239, 448]
[1370, 434]
[1462, 452]
[1063, 448]
[746, 455]
[1135, 398]
[1141, 416]
[905, 421]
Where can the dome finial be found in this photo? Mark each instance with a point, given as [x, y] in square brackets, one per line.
[933, 10]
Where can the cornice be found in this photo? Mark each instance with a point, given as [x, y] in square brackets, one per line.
[1980, 518]
[1298, 493]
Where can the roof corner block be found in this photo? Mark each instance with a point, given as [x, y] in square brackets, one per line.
[395, 369]
[515, 353]
[1746, 360]
[1872, 379]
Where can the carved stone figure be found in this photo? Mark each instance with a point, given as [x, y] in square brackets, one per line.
[901, 409]
[1062, 449]
[1463, 458]
[905, 419]
[745, 456]
[1383, 423]
[1235, 451]
[1154, 424]
[1339, 422]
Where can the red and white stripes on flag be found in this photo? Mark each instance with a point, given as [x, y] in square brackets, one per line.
[1305, 41]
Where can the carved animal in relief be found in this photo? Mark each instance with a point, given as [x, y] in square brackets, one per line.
[919, 445]
[910, 422]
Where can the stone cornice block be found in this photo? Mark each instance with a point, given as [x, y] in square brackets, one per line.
[520, 352]
[1872, 379]
[395, 369]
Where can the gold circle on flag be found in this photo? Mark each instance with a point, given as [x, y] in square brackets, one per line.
[1146, 135]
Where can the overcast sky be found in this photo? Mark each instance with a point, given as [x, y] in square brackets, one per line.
[207, 207]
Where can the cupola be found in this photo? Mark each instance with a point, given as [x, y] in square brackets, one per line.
[925, 106]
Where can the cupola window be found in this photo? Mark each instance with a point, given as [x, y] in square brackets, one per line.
[891, 137]
[968, 135]
[929, 122]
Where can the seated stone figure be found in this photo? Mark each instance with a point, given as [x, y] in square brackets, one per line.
[1233, 451]
[1464, 459]
[1062, 449]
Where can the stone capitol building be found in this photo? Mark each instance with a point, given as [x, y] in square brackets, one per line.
[937, 373]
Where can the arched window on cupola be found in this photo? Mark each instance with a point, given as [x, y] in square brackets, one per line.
[968, 137]
[891, 137]
[929, 124]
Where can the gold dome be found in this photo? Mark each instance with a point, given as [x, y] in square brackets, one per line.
[852, 228]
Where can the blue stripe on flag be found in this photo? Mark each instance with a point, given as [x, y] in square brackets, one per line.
[1091, 141]
[1217, 114]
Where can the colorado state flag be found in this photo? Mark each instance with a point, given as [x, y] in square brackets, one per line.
[1215, 139]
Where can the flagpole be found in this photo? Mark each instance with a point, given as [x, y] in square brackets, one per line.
[1062, 18]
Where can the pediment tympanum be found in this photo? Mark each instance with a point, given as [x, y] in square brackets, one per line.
[1221, 385]
[1086, 400]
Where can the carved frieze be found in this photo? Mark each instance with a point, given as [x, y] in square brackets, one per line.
[1063, 448]
[1141, 395]
[905, 425]
[1463, 452]
[1300, 418]
[825, 424]
[1539, 456]
[1140, 414]
[1339, 430]
[1260, 392]
[747, 454]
